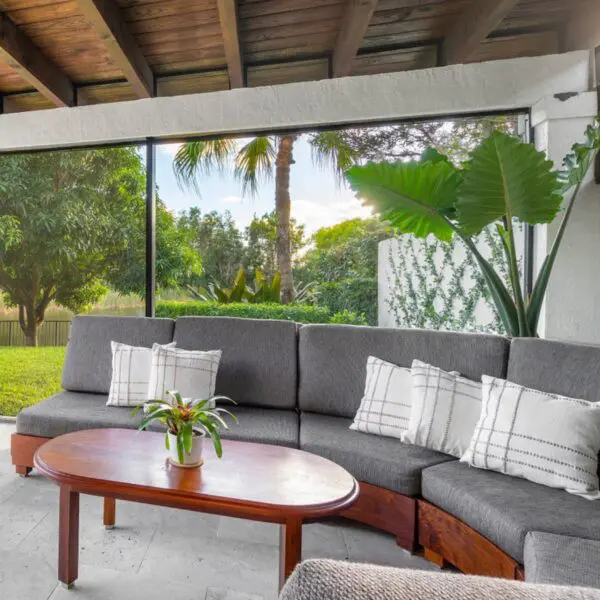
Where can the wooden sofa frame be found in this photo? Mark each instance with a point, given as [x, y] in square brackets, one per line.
[418, 525]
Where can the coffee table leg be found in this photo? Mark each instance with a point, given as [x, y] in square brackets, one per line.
[110, 508]
[290, 548]
[68, 536]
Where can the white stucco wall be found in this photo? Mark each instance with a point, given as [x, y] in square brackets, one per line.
[457, 89]
[572, 307]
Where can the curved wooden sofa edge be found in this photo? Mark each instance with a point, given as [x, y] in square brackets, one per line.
[22, 450]
[414, 522]
[447, 540]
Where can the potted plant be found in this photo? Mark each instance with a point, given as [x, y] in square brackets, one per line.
[505, 181]
[188, 422]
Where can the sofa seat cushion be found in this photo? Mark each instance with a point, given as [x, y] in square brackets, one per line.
[504, 509]
[561, 560]
[73, 411]
[377, 460]
[263, 425]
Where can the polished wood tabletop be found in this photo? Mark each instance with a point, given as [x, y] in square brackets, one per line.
[253, 481]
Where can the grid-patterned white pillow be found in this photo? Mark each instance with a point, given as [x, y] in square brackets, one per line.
[131, 366]
[385, 407]
[445, 409]
[192, 373]
[545, 438]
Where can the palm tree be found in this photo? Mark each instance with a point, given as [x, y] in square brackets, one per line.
[257, 161]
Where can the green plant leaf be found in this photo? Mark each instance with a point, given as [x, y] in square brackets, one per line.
[507, 178]
[411, 196]
[180, 452]
[239, 287]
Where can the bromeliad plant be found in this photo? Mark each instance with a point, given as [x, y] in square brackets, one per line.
[505, 181]
[187, 419]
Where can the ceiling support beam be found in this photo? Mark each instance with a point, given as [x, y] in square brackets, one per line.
[230, 30]
[355, 21]
[25, 58]
[106, 19]
[583, 30]
[473, 27]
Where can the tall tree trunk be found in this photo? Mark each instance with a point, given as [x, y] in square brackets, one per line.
[29, 324]
[285, 160]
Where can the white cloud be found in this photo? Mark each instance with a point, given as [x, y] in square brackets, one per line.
[231, 200]
[170, 149]
[314, 214]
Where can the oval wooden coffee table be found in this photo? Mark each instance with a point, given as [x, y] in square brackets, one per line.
[252, 481]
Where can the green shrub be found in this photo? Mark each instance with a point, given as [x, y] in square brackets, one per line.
[357, 295]
[347, 317]
[300, 313]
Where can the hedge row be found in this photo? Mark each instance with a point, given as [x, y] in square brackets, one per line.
[300, 313]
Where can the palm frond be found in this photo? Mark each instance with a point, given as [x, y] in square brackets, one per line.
[254, 163]
[194, 159]
[330, 151]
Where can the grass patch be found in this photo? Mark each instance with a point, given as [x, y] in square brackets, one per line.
[28, 376]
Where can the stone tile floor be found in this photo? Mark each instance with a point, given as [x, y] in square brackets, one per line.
[157, 553]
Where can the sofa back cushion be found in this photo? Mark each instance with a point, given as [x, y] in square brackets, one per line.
[556, 367]
[88, 364]
[259, 362]
[333, 360]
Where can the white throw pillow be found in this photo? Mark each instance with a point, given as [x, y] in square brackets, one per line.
[131, 366]
[385, 407]
[192, 373]
[445, 409]
[545, 438]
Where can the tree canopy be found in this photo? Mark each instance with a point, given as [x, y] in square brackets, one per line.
[72, 225]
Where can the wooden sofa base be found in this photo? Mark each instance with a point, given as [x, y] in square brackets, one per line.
[388, 511]
[22, 450]
[448, 541]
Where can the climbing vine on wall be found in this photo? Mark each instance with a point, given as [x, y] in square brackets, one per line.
[437, 285]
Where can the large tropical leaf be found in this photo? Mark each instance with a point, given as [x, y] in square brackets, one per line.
[413, 196]
[507, 178]
[254, 163]
[201, 158]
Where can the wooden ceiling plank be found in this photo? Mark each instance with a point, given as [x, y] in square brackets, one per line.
[583, 29]
[106, 19]
[472, 27]
[352, 31]
[230, 29]
[26, 59]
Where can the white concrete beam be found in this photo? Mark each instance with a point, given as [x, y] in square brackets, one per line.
[457, 89]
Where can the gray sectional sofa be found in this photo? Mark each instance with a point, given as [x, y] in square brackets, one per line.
[300, 386]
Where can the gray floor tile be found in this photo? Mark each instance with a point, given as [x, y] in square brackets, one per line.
[227, 594]
[25, 577]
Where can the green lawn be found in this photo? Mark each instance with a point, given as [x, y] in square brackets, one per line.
[28, 375]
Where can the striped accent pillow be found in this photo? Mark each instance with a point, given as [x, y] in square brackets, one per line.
[192, 373]
[385, 407]
[545, 438]
[131, 366]
[445, 409]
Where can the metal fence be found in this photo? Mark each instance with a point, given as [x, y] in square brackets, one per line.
[50, 333]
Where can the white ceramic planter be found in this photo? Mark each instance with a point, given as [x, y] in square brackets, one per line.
[190, 459]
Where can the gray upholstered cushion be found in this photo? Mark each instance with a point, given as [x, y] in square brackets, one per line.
[259, 362]
[337, 580]
[504, 509]
[556, 367]
[374, 459]
[73, 411]
[561, 560]
[88, 365]
[264, 425]
[333, 360]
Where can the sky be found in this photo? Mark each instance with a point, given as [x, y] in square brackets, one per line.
[317, 199]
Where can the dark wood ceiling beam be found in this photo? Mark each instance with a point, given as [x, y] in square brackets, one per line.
[230, 30]
[583, 29]
[473, 27]
[355, 21]
[106, 19]
[22, 55]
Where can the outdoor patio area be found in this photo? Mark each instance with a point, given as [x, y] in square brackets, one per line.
[155, 553]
